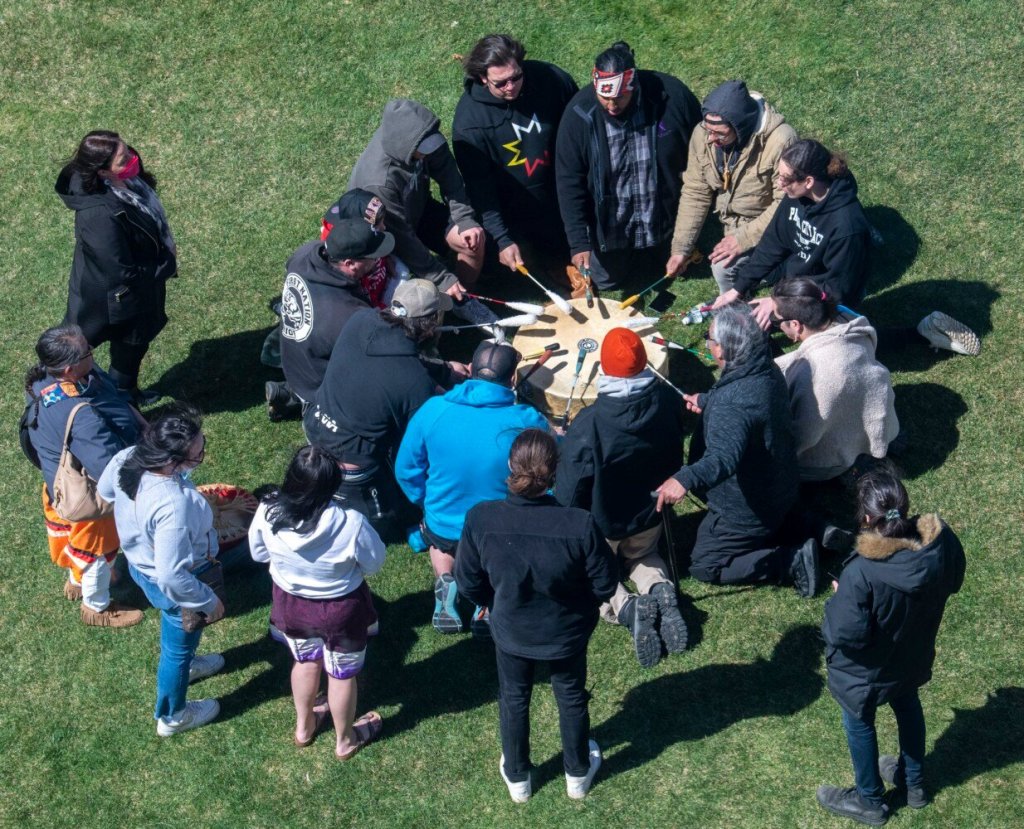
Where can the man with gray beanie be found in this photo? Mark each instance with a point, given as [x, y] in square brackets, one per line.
[455, 455]
[733, 156]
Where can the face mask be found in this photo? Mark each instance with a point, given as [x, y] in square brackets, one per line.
[131, 169]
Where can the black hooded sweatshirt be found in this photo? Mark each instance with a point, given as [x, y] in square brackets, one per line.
[826, 241]
[506, 150]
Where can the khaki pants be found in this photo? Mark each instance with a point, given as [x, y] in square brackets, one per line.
[643, 566]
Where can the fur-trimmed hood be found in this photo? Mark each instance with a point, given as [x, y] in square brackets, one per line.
[908, 565]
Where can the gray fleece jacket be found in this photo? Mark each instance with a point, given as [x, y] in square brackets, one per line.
[388, 169]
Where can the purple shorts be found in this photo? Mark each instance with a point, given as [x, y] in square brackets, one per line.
[332, 630]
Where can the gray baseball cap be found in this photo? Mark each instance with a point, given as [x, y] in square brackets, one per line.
[419, 298]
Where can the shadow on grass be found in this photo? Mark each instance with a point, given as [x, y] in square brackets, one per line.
[222, 374]
[267, 685]
[928, 414]
[890, 261]
[979, 740]
[693, 705]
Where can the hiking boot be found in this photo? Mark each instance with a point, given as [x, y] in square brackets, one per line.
[194, 715]
[849, 803]
[519, 792]
[282, 404]
[72, 591]
[889, 769]
[942, 331]
[446, 617]
[204, 666]
[672, 627]
[837, 539]
[804, 569]
[480, 624]
[577, 787]
[115, 616]
[640, 614]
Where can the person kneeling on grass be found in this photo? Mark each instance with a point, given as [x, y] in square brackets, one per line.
[543, 570]
[880, 629]
[320, 554]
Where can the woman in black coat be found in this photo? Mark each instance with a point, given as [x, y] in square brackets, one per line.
[880, 630]
[124, 253]
[542, 570]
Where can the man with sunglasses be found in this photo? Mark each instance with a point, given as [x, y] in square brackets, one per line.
[503, 135]
[734, 153]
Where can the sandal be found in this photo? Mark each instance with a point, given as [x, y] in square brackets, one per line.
[367, 729]
[322, 718]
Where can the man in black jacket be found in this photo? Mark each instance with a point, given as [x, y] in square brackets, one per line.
[321, 292]
[503, 135]
[615, 452]
[375, 381]
[621, 150]
[743, 462]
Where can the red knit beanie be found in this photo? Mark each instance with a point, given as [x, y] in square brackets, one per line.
[622, 353]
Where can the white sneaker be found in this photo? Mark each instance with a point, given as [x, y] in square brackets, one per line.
[942, 331]
[577, 787]
[519, 792]
[204, 666]
[195, 714]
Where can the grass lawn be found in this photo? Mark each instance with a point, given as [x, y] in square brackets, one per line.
[251, 115]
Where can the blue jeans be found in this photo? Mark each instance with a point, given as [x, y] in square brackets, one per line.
[177, 649]
[863, 743]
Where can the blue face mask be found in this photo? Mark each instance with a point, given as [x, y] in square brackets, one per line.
[186, 475]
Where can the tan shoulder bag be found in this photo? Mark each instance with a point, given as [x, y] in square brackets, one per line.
[74, 493]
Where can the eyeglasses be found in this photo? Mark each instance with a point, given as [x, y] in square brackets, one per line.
[85, 356]
[518, 76]
[202, 453]
[785, 181]
[708, 339]
[715, 134]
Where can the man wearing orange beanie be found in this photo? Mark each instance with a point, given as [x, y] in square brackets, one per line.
[615, 452]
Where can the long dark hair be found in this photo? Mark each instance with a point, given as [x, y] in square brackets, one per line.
[532, 462]
[164, 441]
[312, 478]
[418, 329]
[616, 58]
[57, 348]
[96, 153]
[492, 50]
[883, 505]
[808, 157]
[802, 299]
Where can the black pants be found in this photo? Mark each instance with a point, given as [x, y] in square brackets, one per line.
[610, 269]
[569, 685]
[723, 556]
[378, 497]
[125, 360]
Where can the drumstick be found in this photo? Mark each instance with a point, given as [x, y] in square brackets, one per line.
[536, 354]
[508, 322]
[693, 258]
[575, 379]
[563, 306]
[521, 307]
[585, 273]
[666, 381]
[544, 357]
[659, 341]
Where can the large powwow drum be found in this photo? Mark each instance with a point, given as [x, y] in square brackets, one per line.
[233, 509]
[549, 387]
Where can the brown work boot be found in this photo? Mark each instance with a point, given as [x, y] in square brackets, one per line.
[115, 616]
[72, 591]
[577, 281]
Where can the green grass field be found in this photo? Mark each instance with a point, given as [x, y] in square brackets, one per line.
[251, 115]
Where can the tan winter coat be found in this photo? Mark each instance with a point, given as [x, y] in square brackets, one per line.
[841, 399]
[748, 206]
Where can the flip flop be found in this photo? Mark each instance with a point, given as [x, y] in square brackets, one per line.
[367, 729]
[322, 716]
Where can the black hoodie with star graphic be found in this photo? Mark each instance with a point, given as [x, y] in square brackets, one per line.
[505, 151]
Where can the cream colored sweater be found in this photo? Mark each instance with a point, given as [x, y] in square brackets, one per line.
[841, 398]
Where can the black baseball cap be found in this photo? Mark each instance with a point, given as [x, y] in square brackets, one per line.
[355, 239]
[495, 362]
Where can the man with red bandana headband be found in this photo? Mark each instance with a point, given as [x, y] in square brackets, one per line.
[621, 150]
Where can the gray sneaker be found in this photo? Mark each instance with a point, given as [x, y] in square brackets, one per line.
[942, 331]
[889, 769]
[196, 714]
[204, 666]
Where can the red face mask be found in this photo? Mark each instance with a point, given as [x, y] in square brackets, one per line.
[131, 169]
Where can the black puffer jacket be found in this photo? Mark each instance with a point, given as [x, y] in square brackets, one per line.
[620, 449]
[119, 269]
[670, 112]
[742, 456]
[542, 569]
[880, 626]
[506, 150]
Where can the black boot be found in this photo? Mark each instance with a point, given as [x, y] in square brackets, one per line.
[804, 570]
[849, 803]
[282, 404]
[639, 614]
[672, 628]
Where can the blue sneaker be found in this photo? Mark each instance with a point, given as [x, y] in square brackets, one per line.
[446, 616]
[414, 538]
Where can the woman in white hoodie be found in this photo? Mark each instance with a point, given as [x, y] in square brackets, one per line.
[319, 554]
[841, 397]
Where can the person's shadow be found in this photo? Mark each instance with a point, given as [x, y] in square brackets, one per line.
[895, 245]
[928, 415]
[696, 704]
[221, 374]
[979, 740]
